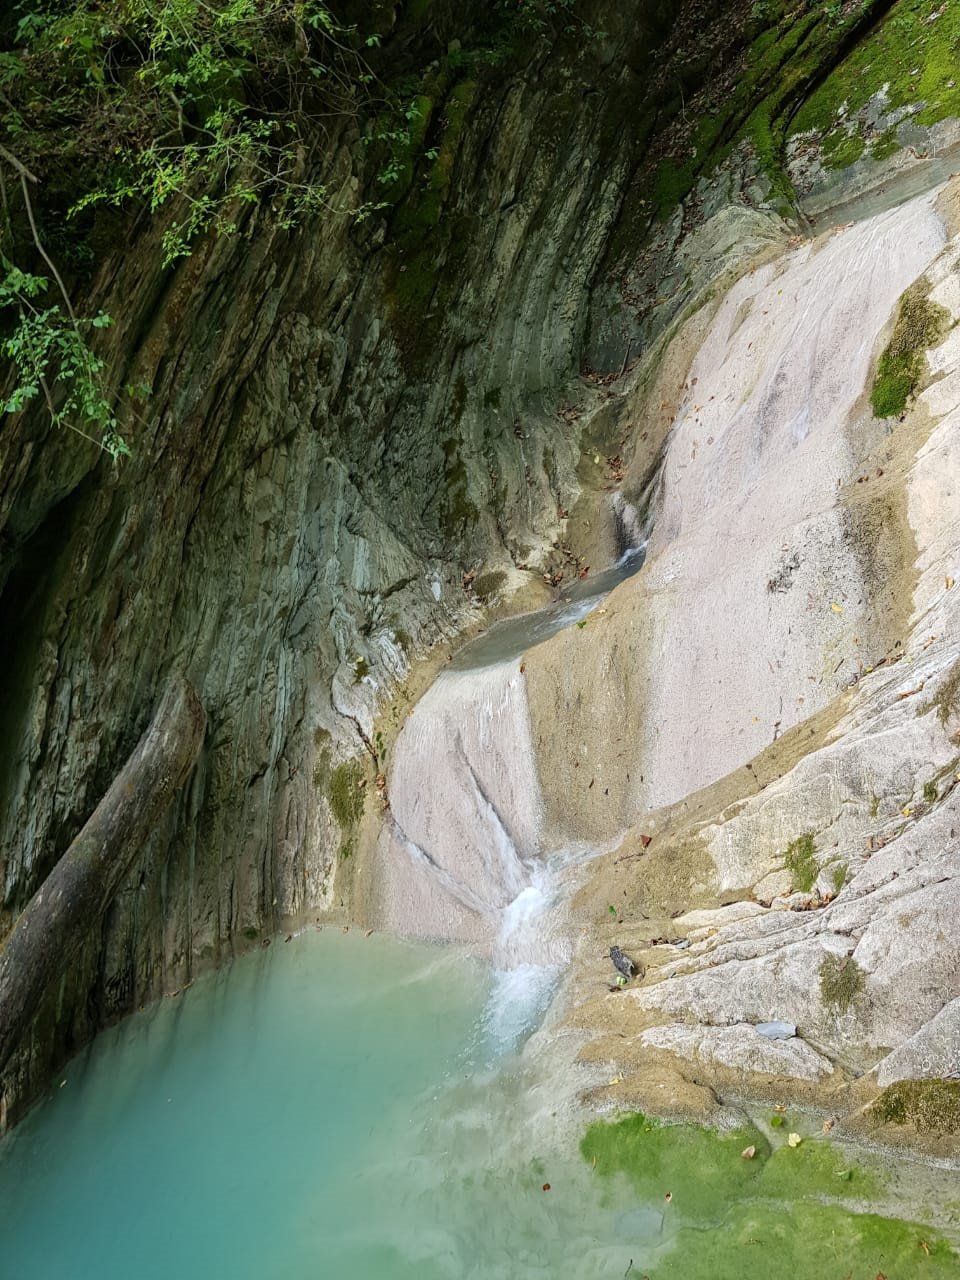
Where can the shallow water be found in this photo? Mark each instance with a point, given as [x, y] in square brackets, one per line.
[508, 639]
[339, 1106]
[331, 1107]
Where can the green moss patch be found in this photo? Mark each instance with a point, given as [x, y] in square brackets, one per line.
[920, 324]
[931, 1106]
[838, 876]
[801, 861]
[947, 698]
[841, 982]
[913, 51]
[778, 1214]
[845, 152]
[488, 584]
[346, 793]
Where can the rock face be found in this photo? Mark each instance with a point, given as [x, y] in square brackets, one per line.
[345, 421]
[837, 847]
[350, 424]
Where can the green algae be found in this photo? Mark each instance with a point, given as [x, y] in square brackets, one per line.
[778, 1213]
[931, 1106]
[807, 1241]
[801, 861]
[701, 1169]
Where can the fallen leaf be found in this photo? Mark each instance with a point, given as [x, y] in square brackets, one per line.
[748, 1153]
[828, 1125]
[925, 1247]
[794, 1140]
[948, 583]
[837, 608]
[646, 841]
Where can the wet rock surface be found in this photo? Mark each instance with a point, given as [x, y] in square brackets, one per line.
[838, 847]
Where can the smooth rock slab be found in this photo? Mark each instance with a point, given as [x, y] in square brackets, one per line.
[933, 1053]
[740, 1048]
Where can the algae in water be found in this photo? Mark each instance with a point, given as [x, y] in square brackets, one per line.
[780, 1213]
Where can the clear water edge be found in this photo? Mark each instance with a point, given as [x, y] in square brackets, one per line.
[339, 1106]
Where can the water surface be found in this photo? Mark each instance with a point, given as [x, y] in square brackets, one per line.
[344, 1106]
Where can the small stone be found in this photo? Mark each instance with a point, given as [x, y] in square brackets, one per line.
[776, 1030]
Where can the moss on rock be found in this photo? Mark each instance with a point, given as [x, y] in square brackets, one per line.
[346, 793]
[488, 584]
[920, 324]
[801, 861]
[931, 1106]
[908, 63]
[841, 982]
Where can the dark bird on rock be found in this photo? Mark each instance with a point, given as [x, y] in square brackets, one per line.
[623, 964]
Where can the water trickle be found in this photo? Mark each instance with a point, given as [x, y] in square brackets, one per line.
[461, 851]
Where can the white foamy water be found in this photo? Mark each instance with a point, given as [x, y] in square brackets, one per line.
[466, 808]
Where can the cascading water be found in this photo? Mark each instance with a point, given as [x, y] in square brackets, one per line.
[461, 852]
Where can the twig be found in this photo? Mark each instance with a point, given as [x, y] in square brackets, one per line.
[12, 160]
[43, 253]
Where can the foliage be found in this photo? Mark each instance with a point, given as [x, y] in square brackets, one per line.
[205, 106]
[46, 346]
[202, 102]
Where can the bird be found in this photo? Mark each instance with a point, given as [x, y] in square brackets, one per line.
[623, 964]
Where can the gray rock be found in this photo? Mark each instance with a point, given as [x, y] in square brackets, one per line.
[776, 1030]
